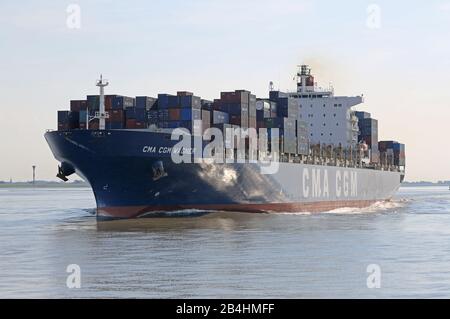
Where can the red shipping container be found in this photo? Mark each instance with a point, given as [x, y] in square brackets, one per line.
[235, 120]
[93, 125]
[131, 123]
[109, 102]
[174, 114]
[75, 106]
[239, 96]
[116, 115]
[217, 105]
[78, 105]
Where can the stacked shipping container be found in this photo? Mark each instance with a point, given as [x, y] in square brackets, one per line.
[146, 102]
[394, 149]
[68, 120]
[282, 112]
[234, 109]
[237, 105]
[302, 138]
[180, 110]
[368, 133]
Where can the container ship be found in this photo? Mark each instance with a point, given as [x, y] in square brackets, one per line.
[326, 154]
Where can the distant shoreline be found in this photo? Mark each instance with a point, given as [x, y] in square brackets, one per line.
[426, 184]
[43, 184]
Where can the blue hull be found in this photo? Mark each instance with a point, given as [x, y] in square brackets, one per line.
[129, 181]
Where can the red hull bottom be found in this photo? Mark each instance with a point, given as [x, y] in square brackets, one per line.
[313, 207]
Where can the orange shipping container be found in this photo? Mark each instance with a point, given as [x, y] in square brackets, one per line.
[131, 123]
[108, 102]
[174, 114]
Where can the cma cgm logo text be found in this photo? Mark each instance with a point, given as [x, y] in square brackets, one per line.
[167, 150]
[316, 183]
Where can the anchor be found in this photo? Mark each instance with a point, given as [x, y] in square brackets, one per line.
[61, 175]
[65, 170]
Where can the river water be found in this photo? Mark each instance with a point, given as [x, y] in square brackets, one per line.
[405, 244]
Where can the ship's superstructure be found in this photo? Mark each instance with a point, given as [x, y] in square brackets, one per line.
[331, 118]
[327, 155]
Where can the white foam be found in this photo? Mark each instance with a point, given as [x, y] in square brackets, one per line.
[377, 207]
[374, 208]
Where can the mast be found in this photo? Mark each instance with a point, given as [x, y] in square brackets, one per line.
[102, 115]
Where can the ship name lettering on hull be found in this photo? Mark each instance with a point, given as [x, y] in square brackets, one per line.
[167, 150]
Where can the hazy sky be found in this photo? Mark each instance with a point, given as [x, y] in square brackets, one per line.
[401, 64]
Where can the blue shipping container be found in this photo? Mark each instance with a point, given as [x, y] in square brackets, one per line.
[166, 101]
[163, 101]
[362, 115]
[63, 116]
[116, 125]
[190, 114]
[122, 102]
[287, 107]
[275, 95]
[174, 101]
[145, 102]
[399, 147]
[93, 102]
[220, 117]
[136, 113]
[83, 116]
[174, 124]
[190, 101]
